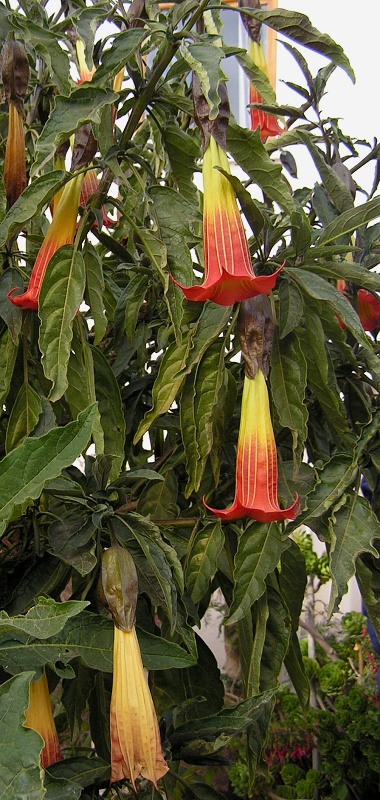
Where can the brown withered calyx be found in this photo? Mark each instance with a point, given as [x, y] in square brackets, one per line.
[217, 128]
[255, 327]
[252, 26]
[14, 73]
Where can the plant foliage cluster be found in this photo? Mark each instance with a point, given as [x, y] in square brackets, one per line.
[154, 382]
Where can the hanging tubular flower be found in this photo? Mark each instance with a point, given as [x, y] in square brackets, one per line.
[39, 716]
[85, 74]
[256, 460]
[61, 231]
[268, 123]
[228, 271]
[15, 77]
[135, 737]
[367, 307]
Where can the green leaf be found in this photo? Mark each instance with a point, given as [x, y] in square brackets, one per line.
[61, 789]
[111, 411]
[351, 220]
[276, 639]
[23, 417]
[353, 527]
[132, 300]
[75, 695]
[160, 500]
[183, 151]
[298, 27]
[31, 202]
[144, 541]
[200, 396]
[319, 289]
[288, 380]
[124, 45]
[322, 378]
[84, 771]
[166, 386]
[85, 104]
[333, 480]
[23, 471]
[11, 315]
[89, 637]
[20, 774]
[346, 270]
[80, 391]
[95, 290]
[204, 59]
[174, 214]
[290, 308]
[293, 663]
[201, 562]
[259, 550]
[73, 541]
[60, 296]
[45, 619]
[250, 153]
[8, 353]
[47, 45]
[336, 189]
[257, 77]
[292, 581]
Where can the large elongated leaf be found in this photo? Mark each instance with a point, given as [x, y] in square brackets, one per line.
[337, 475]
[168, 382]
[250, 153]
[60, 296]
[8, 353]
[353, 527]
[111, 411]
[200, 396]
[95, 290]
[298, 27]
[320, 289]
[259, 550]
[45, 619]
[337, 190]
[25, 470]
[202, 558]
[288, 381]
[80, 391]
[90, 637]
[350, 220]
[24, 416]
[85, 104]
[46, 44]
[204, 59]
[20, 774]
[114, 58]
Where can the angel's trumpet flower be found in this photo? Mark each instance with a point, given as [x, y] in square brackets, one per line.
[228, 270]
[135, 737]
[39, 716]
[61, 231]
[268, 123]
[256, 460]
[15, 77]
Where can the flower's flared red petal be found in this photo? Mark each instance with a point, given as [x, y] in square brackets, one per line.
[228, 290]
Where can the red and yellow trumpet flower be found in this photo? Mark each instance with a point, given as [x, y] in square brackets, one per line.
[61, 231]
[367, 307]
[85, 74]
[228, 270]
[39, 716]
[268, 123]
[135, 737]
[256, 460]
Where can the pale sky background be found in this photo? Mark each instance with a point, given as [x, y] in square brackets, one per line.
[355, 26]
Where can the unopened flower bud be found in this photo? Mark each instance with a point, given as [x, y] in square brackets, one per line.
[118, 586]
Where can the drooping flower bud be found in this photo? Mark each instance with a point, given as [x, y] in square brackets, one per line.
[15, 77]
[118, 586]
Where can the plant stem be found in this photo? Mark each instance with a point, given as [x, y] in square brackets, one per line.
[319, 638]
